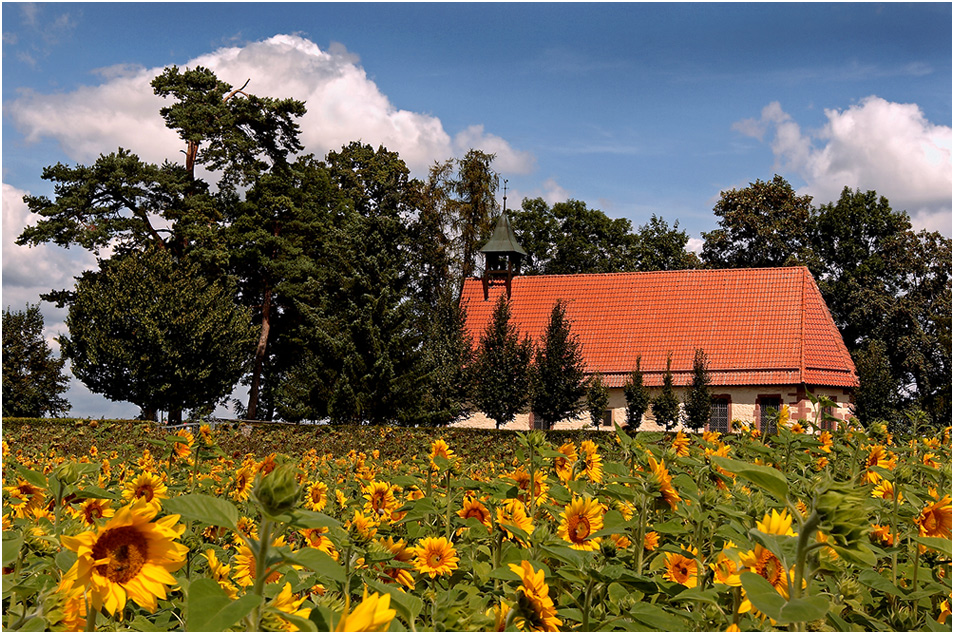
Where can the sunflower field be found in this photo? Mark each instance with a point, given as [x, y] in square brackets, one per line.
[803, 530]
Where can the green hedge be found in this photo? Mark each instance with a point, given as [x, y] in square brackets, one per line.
[129, 438]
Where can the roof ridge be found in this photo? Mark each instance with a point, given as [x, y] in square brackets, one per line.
[737, 270]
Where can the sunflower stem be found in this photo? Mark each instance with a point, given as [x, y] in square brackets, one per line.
[447, 492]
[641, 533]
[90, 618]
[261, 558]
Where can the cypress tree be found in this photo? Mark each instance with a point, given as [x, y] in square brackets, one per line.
[698, 399]
[666, 407]
[598, 398]
[558, 386]
[637, 396]
[500, 374]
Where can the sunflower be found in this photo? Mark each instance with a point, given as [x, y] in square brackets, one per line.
[93, 509]
[183, 448]
[579, 521]
[523, 480]
[29, 496]
[365, 528]
[878, 457]
[725, 568]
[681, 444]
[285, 603]
[473, 508]
[512, 512]
[317, 538]
[206, 437]
[711, 436]
[651, 540]
[244, 572]
[593, 462]
[70, 608]
[564, 465]
[146, 486]
[220, 573]
[681, 569]
[316, 496]
[776, 523]
[935, 521]
[929, 460]
[435, 556]
[499, 611]
[661, 482]
[439, 447]
[372, 615]
[825, 438]
[380, 499]
[883, 535]
[401, 553]
[884, 490]
[536, 609]
[129, 557]
[242, 483]
[764, 562]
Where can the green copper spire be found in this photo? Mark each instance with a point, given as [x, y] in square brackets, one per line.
[503, 240]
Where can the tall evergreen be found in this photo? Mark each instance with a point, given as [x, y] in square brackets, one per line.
[557, 377]
[448, 354]
[698, 399]
[666, 406]
[637, 396]
[598, 398]
[33, 379]
[501, 370]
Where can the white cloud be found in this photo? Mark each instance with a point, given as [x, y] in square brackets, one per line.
[874, 145]
[343, 105]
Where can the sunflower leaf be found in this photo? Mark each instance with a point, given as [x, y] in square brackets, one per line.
[319, 562]
[762, 594]
[205, 509]
[768, 478]
[942, 545]
[808, 609]
[11, 547]
[210, 609]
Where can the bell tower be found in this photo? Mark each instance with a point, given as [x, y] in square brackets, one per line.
[502, 254]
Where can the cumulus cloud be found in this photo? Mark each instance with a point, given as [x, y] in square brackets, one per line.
[343, 105]
[876, 144]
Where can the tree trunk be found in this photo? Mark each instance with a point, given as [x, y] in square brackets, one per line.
[150, 414]
[175, 416]
[260, 355]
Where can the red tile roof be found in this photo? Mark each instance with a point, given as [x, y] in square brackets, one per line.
[757, 326]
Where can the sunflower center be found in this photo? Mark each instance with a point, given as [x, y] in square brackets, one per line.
[579, 528]
[144, 491]
[434, 559]
[770, 568]
[93, 512]
[127, 550]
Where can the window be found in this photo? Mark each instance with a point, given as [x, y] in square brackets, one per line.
[608, 418]
[769, 408]
[720, 415]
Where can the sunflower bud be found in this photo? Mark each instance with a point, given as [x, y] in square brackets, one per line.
[279, 491]
[67, 473]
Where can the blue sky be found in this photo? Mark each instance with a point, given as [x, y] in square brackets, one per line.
[636, 109]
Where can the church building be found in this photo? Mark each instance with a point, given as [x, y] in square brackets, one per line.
[767, 333]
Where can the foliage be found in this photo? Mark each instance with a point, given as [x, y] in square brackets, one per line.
[666, 405]
[637, 396]
[33, 380]
[155, 332]
[501, 365]
[570, 238]
[362, 361]
[763, 225]
[797, 531]
[697, 406]
[598, 398]
[558, 387]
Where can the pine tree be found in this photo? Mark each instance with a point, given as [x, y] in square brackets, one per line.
[666, 406]
[448, 354]
[598, 398]
[637, 396]
[33, 378]
[558, 387]
[698, 399]
[500, 374]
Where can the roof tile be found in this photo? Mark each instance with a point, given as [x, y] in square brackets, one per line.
[757, 326]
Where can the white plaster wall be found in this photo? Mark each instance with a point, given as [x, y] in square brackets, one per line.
[742, 407]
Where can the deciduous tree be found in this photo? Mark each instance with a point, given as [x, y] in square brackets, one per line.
[154, 331]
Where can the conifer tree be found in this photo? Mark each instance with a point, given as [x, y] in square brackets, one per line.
[637, 396]
[598, 398]
[666, 406]
[558, 388]
[33, 378]
[500, 374]
[698, 398]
